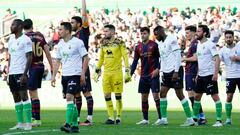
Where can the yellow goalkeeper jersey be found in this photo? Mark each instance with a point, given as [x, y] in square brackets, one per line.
[111, 54]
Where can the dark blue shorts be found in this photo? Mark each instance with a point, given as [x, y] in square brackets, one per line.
[190, 82]
[35, 77]
[231, 84]
[167, 80]
[206, 85]
[14, 83]
[88, 86]
[147, 83]
[71, 84]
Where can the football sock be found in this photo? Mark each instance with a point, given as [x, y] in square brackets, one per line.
[228, 108]
[145, 108]
[27, 111]
[186, 108]
[110, 109]
[163, 107]
[36, 109]
[218, 110]
[89, 105]
[119, 106]
[19, 111]
[157, 103]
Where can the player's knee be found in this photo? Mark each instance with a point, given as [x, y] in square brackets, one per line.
[215, 97]
[144, 97]
[69, 97]
[78, 95]
[33, 94]
[16, 97]
[87, 94]
[118, 97]
[108, 99]
[229, 97]
[107, 95]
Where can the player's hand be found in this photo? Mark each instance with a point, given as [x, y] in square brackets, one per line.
[155, 73]
[215, 77]
[233, 58]
[127, 77]
[96, 74]
[175, 76]
[53, 82]
[196, 78]
[83, 80]
[23, 80]
[7, 80]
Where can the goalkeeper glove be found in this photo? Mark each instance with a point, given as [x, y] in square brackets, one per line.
[96, 74]
[127, 77]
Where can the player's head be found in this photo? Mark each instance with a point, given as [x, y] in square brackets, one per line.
[145, 32]
[27, 24]
[203, 32]
[109, 31]
[65, 29]
[17, 26]
[190, 32]
[229, 37]
[76, 22]
[159, 33]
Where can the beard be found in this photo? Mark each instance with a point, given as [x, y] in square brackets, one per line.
[229, 43]
[199, 37]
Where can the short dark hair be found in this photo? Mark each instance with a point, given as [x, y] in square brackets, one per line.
[205, 29]
[67, 26]
[19, 22]
[158, 28]
[145, 29]
[27, 24]
[191, 28]
[110, 26]
[229, 32]
[78, 19]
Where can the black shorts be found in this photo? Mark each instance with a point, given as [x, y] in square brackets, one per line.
[14, 83]
[88, 86]
[147, 83]
[231, 84]
[71, 84]
[206, 85]
[167, 80]
[35, 77]
[190, 82]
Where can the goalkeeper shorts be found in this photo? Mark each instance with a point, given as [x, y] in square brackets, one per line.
[112, 82]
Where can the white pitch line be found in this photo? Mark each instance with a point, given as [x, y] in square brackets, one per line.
[36, 131]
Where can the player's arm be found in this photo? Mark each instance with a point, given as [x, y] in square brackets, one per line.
[55, 71]
[48, 55]
[135, 61]
[215, 54]
[101, 59]
[156, 61]
[84, 15]
[191, 59]
[124, 53]
[27, 66]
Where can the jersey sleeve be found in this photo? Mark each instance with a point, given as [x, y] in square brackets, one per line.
[28, 45]
[124, 53]
[213, 49]
[101, 58]
[81, 48]
[58, 52]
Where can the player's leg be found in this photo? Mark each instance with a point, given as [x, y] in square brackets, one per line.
[107, 89]
[78, 103]
[230, 87]
[73, 87]
[117, 86]
[212, 88]
[34, 82]
[144, 89]
[200, 89]
[87, 94]
[155, 87]
[13, 85]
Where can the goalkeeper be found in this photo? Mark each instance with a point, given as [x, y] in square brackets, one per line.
[111, 53]
[147, 51]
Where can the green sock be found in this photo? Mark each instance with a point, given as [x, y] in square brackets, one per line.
[163, 107]
[69, 113]
[218, 110]
[228, 108]
[186, 108]
[75, 117]
[27, 111]
[19, 112]
[196, 108]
